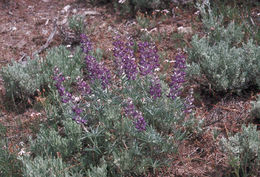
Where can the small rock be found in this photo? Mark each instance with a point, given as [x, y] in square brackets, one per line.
[91, 13]
[186, 30]
[44, 32]
[28, 32]
[63, 21]
[103, 25]
[30, 7]
[74, 11]
[13, 28]
[66, 8]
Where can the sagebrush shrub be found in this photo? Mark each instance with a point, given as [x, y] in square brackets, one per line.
[9, 164]
[133, 6]
[47, 166]
[22, 79]
[76, 23]
[255, 112]
[243, 150]
[228, 63]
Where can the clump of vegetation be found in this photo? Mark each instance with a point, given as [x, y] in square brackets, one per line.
[243, 151]
[112, 127]
[76, 23]
[227, 63]
[255, 112]
[9, 164]
[21, 80]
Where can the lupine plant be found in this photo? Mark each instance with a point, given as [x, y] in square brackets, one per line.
[129, 117]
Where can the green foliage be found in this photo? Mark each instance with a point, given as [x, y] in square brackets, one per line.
[69, 63]
[2, 130]
[228, 63]
[133, 6]
[9, 164]
[255, 112]
[109, 143]
[22, 79]
[76, 23]
[42, 167]
[98, 171]
[243, 150]
[50, 142]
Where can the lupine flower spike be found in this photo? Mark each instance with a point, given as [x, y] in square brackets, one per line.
[66, 97]
[178, 77]
[155, 89]
[124, 59]
[131, 111]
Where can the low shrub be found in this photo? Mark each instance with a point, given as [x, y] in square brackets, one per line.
[9, 164]
[227, 63]
[22, 80]
[243, 151]
[255, 112]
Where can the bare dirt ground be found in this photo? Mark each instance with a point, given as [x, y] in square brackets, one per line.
[25, 27]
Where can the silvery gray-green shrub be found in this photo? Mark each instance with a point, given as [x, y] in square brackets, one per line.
[22, 79]
[47, 166]
[255, 112]
[133, 6]
[9, 164]
[76, 23]
[243, 150]
[228, 63]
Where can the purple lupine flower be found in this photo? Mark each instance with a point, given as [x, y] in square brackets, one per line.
[79, 119]
[131, 111]
[82, 86]
[66, 96]
[119, 52]
[178, 77]
[86, 44]
[140, 123]
[188, 103]
[77, 110]
[97, 71]
[59, 79]
[155, 89]
[124, 59]
[149, 59]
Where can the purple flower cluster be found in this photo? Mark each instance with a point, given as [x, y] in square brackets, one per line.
[95, 70]
[131, 111]
[77, 111]
[59, 79]
[86, 44]
[124, 59]
[66, 97]
[188, 103]
[82, 86]
[178, 76]
[149, 59]
[155, 89]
